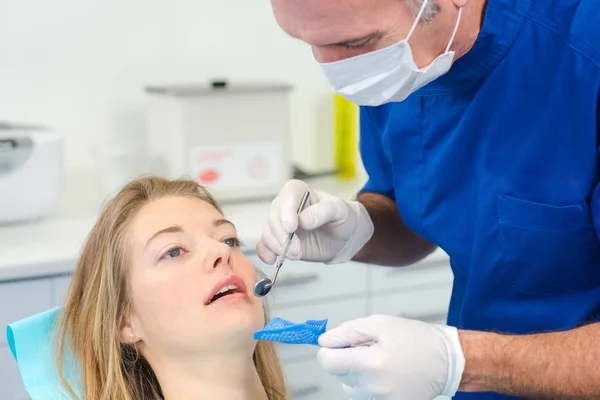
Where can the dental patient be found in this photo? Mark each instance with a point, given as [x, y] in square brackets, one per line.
[161, 303]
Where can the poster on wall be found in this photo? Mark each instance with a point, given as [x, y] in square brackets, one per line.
[237, 166]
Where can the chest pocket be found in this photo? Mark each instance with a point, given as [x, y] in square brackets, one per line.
[547, 249]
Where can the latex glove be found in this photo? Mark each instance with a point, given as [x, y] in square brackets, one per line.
[329, 229]
[409, 359]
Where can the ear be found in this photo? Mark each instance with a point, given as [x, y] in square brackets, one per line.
[128, 333]
[460, 3]
[128, 336]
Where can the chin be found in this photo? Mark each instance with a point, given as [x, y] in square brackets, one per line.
[237, 318]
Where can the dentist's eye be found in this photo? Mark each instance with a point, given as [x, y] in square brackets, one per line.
[354, 46]
[173, 253]
[233, 242]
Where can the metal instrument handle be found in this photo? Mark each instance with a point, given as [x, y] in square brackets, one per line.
[288, 242]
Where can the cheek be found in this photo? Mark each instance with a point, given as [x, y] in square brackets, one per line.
[244, 268]
[329, 54]
[332, 54]
[164, 300]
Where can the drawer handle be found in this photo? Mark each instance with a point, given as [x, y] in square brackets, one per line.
[297, 280]
[431, 318]
[305, 391]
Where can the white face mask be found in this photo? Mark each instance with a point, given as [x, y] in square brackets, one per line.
[386, 75]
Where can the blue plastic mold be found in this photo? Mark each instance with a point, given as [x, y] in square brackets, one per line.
[280, 330]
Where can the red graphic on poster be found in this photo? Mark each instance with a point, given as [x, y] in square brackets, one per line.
[209, 176]
[258, 167]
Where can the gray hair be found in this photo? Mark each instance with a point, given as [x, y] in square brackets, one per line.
[431, 9]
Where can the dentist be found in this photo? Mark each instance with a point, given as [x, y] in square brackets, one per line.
[480, 133]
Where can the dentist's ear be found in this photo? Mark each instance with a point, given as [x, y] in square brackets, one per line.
[460, 3]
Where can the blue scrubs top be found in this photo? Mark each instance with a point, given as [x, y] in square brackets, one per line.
[497, 163]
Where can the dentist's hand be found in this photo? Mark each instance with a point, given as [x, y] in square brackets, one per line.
[329, 229]
[408, 360]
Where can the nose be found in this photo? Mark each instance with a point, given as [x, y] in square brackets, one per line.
[220, 255]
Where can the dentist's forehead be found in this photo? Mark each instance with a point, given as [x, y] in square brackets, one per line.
[323, 22]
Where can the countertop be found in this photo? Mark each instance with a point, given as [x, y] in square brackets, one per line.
[50, 246]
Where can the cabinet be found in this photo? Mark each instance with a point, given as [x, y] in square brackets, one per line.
[60, 288]
[434, 270]
[300, 282]
[11, 385]
[335, 312]
[18, 300]
[306, 381]
[22, 299]
[426, 304]
[348, 291]
[304, 291]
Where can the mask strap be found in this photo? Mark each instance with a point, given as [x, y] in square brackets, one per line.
[455, 30]
[414, 25]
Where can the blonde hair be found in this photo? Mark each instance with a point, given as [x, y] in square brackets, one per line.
[98, 303]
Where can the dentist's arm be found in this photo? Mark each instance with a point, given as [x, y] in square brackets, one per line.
[392, 243]
[413, 359]
[552, 366]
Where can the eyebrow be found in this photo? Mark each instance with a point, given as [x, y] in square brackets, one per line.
[219, 222]
[170, 229]
[178, 229]
[356, 41]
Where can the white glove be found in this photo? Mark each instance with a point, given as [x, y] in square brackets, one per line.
[329, 230]
[408, 359]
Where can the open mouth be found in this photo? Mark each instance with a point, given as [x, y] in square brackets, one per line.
[225, 291]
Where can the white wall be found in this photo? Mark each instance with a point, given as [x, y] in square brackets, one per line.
[79, 66]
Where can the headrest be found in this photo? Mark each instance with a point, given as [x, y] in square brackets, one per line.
[32, 343]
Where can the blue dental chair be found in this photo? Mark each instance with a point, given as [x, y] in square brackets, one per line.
[31, 342]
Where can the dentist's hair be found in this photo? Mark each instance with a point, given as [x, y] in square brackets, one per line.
[431, 9]
[99, 300]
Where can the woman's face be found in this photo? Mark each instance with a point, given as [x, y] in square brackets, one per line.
[191, 286]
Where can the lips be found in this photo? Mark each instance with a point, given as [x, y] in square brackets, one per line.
[227, 289]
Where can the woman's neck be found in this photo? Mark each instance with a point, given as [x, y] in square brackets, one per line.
[225, 377]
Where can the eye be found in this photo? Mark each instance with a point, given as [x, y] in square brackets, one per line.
[354, 46]
[173, 253]
[233, 242]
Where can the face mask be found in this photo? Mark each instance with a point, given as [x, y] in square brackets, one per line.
[386, 75]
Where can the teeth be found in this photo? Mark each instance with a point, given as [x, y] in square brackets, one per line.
[226, 288]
